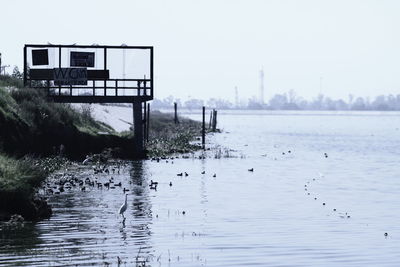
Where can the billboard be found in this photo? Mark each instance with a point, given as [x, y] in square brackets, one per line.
[90, 73]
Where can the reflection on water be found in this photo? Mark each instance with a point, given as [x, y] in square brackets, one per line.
[297, 208]
[86, 228]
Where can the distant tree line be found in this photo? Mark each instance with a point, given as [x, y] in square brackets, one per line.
[288, 101]
[285, 101]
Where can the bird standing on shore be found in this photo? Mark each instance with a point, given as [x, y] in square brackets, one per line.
[124, 206]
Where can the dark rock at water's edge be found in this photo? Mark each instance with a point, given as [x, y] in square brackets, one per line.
[30, 209]
[15, 221]
[42, 208]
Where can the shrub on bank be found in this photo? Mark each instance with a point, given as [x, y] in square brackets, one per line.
[19, 176]
[18, 180]
[10, 81]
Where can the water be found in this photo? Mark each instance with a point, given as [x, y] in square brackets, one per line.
[239, 218]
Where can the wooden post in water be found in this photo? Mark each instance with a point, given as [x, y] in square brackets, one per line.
[203, 130]
[144, 122]
[176, 113]
[214, 123]
[148, 122]
[138, 128]
[211, 115]
[216, 112]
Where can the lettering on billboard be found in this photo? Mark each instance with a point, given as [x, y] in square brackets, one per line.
[70, 76]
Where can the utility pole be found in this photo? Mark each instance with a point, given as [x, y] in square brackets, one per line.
[3, 68]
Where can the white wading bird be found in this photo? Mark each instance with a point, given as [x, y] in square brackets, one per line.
[124, 206]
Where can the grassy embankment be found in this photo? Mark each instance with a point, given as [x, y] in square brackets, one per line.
[31, 125]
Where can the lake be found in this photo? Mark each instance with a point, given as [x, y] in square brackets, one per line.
[324, 190]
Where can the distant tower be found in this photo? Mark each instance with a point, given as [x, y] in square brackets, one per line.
[236, 97]
[262, 86]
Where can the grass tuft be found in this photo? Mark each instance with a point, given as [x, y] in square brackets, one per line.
[166, 137]
[19, 176]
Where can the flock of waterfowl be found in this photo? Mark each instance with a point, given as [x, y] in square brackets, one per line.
[66, 181]
[307, 190]
[313, 180]
[344, 214]
[69, 182]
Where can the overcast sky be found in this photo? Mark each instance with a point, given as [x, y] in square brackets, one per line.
[205, 48]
